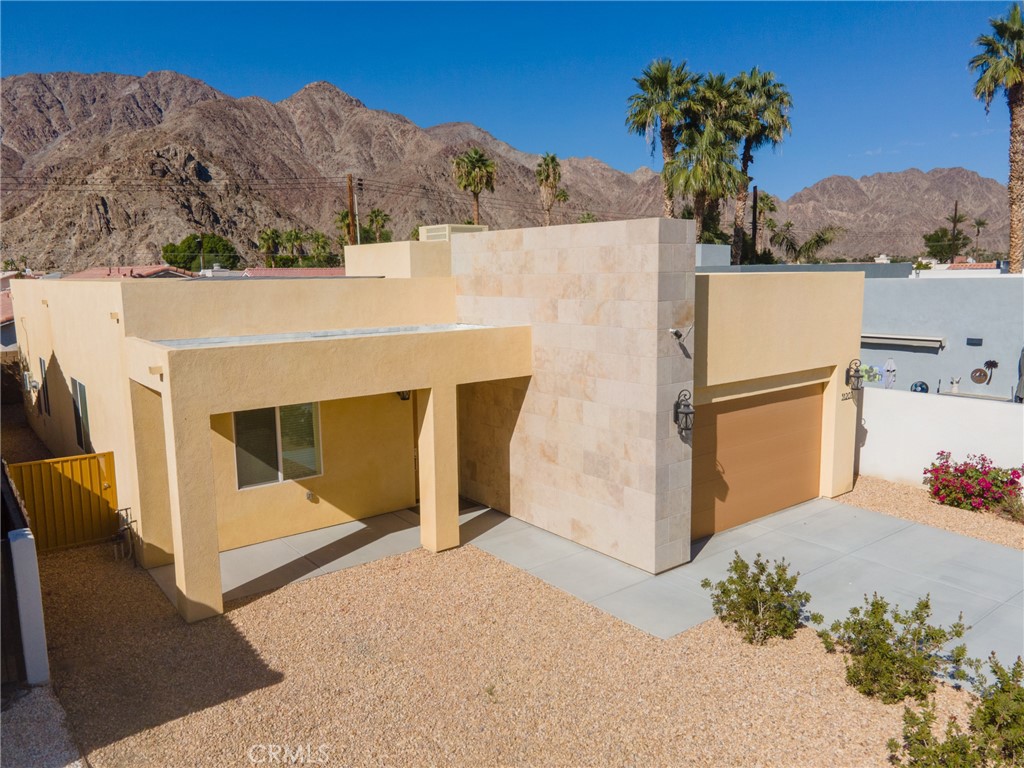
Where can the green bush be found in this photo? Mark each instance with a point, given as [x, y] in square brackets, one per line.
[995, 734]
[198, 251]
[759, 602]
[896, 654]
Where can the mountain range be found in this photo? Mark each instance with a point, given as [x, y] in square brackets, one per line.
[104, 169]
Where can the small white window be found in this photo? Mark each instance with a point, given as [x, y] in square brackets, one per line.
[277, 444]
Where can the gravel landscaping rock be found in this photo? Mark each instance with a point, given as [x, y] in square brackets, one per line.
[34, 734]
[912, 502]
[451, 659]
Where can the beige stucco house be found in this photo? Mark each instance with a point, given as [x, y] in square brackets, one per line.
[531, 370]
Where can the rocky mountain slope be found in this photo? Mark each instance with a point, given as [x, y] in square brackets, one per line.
[105, 169]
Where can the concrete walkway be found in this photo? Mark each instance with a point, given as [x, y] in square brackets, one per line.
[842, 553]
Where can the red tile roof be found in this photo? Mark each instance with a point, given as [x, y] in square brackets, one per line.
[294, 272]
[148, 270]
[984, 265]
[6, 307]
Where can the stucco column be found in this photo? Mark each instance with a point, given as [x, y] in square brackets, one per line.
[839, 434]
[193, 510]
[439, 468]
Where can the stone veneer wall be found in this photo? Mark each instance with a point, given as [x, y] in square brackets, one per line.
[593, 454]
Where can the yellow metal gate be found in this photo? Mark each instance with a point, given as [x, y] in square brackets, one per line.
[70, 501]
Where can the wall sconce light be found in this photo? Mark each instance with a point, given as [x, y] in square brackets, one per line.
[682, 413]
[405, 394]
[854, 377]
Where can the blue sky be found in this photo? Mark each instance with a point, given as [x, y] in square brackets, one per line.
[876, 86]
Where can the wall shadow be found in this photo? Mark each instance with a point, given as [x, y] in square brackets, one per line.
[123, 661]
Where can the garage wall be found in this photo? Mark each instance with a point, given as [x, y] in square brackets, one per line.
[755, 455]
[758, 333]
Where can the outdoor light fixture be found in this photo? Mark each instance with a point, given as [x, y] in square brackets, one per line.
[682, 413]
[854, 377]
[404, 394]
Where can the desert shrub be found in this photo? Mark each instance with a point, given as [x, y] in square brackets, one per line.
[995, 734]
[974, 483]
[760, 602]
[893, 655]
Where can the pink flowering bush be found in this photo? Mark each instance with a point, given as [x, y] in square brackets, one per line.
[975, 484]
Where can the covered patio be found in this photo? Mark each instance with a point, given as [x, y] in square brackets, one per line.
[184, 392]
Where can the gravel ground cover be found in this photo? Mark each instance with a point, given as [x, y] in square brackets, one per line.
[33, 735]
[420, 659]
[17, 440]
[912, 502]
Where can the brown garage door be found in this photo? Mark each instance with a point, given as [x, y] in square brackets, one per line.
[753, 456]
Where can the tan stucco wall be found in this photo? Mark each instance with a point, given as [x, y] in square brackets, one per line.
[402, 259]
[79, 330]
[367, 461]
[761, 332]
[180, 309]
[593, 455]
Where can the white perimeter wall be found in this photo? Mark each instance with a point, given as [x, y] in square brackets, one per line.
[901, 432]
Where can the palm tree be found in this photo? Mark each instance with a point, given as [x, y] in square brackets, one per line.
[785, 238]
[475, 171]
[341, 224]
[704, 171]
[764, 107]
[293, 239]
[321, 251]
[1000, 66]
[662, 88]
[766, 204]
[979, 224]
[549, 175]
[561, 197]
[956, 219]
[376, 221]
[269, 242]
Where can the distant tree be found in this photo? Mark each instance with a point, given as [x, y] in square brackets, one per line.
[414, 233]
[657, 107]
[704, 168]
[941, 244]
[549, 176]
[807, 251]
[476, 172]
[377, 221]
[561, 197]
[269, 242]
[341, 225]
[979, 224]
[766, 204]
[293, 240]
[10, 265]
[763, 112]
[587, 218]
[320, 254]
[1000, 67]
[198, 252]
[956, 219]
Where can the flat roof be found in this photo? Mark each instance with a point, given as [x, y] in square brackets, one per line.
[278, 338]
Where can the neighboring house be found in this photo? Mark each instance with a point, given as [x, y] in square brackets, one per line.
[938, 331]
[116, 273]
[294, 272]
[537, 371]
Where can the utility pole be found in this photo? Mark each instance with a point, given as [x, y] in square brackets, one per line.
[956, 248]
[359, 230]
[753, 227]
[351, 213]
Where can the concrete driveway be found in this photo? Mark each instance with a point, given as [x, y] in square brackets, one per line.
[841, 552]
